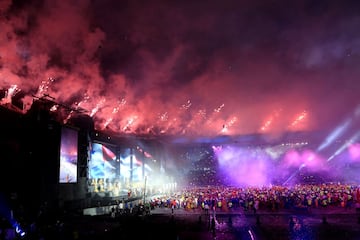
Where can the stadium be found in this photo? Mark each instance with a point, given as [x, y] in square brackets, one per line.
[73, 167]
[179, 119]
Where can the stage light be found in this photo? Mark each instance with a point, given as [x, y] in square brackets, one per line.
[336, 133]
[354, 138]
[19, 230]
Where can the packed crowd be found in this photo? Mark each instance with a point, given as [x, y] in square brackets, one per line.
[271, 198]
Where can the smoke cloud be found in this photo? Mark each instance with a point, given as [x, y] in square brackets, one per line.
[185, 68]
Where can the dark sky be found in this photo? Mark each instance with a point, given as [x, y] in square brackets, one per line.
[187, 67]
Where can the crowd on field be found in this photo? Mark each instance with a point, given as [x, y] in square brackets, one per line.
[271, 198]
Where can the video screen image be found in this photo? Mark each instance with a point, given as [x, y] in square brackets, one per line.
[112, 169]
[102, 162]
[68, 155]
[132, 166]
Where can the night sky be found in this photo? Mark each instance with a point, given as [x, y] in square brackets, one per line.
[195, 68]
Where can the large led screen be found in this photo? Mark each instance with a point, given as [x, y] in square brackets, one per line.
[102, 162]
[132, 167]
[68, 155]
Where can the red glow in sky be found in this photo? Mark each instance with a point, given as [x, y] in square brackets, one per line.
[185, 68]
